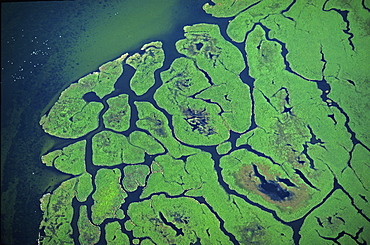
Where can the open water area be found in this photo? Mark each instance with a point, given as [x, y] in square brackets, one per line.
[45, 46]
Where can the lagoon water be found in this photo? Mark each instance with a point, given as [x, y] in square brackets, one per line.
[46, 46]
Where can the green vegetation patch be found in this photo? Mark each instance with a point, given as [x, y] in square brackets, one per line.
[203, 124]
[226, 8]
[234, 99]
[223, 148]
[146, 242]
[84, 187]
[354, 178]
[212, 53]
[120, 214]
[71, 119]
[108, 196]
[71, 116]
[156, 123]
[246, 222]
[347, 72]
[108, 76]
[145, 142]
[244, 21]
[204, 120]
[171, 176]
[57, 214]
[114, 235]
[89, 233]
[264, 57]
[175, 221]
[117, 117]
[196, 177]
[49, 158]
[181, 80]
[250, 225]
[111, 149]
[295, 127]
[145, 64]
[69, 160]
[244, 138]
[335, 216]
[273, 186]
[222, 62]
[61, 121]
[303, 37]
[134, 176]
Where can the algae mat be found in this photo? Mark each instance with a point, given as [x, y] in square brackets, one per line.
[254, 134]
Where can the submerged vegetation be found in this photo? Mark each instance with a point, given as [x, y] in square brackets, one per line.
[255, 135]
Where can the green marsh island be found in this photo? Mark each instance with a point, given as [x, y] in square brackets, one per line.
[256, 132]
